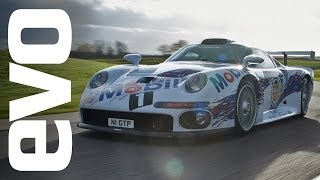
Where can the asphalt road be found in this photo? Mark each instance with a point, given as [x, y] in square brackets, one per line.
[287, 149]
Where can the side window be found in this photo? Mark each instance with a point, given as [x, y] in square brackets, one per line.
[267, 63]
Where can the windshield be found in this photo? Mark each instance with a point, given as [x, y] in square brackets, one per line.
[226, 53]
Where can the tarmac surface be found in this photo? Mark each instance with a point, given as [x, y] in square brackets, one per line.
[286, 149]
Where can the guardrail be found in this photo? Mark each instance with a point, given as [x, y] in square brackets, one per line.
[285, 54]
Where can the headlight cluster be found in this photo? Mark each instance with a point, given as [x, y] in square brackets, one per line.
[99, 79]
[196, 83]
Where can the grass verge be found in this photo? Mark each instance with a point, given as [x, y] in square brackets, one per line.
[76, 70]
[79, 72]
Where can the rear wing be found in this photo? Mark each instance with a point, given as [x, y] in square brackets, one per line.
[284, 54]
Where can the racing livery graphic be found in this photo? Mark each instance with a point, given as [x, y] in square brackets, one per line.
[213, 85]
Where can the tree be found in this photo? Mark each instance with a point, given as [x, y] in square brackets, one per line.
[98, 47]
[84, 48]
[165, 49]
[110, 51]
[176, 46]
[121, 48]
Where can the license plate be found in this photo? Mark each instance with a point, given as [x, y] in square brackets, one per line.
[123, 123]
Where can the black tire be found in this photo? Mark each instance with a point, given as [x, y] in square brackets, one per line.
[246, 107]
[305, 96]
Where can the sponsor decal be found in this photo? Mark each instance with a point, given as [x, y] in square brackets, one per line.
[177, 105]
[117, 91]
[110, 92]
[132, 89]
[276, 90]
[221, 81]
[140, 100]
[293, 84]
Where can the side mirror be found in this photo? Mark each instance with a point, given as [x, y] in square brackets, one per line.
[252, 59]
[133, 58]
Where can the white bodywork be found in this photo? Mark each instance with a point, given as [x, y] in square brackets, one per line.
[278, 91]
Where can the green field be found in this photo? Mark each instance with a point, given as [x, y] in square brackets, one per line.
[317, 74]
[315, 65]
[305, 63]
[79, 72]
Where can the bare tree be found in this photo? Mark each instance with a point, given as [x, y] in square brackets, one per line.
[99, 47]
[176, 46]
[85, 48]
[165, 49]
[110, 51]
[121, 48]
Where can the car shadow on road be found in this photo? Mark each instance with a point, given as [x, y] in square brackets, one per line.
[271, 150]
[227, 135]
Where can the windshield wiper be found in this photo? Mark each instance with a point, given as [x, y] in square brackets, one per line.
[209, 60]
[203, 59]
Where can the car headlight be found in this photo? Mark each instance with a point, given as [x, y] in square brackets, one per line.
[99, 79]
[196, 83]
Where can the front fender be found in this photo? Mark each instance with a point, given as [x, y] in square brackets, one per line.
[225, 81]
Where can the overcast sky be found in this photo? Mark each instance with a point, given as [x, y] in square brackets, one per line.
[145, 24]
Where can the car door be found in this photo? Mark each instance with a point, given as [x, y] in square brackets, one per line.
[273, 81]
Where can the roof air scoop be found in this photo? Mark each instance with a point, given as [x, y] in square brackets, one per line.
[133, 58]
[216, 41]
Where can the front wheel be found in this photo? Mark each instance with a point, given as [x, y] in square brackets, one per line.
[246, 107]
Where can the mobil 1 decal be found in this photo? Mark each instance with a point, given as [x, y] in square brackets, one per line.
[221, 81]
[140, 100]
[126, 89]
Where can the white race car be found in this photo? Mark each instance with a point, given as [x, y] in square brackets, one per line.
[214, 85]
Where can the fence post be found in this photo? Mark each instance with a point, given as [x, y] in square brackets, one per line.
[285, 58]
[312, 55]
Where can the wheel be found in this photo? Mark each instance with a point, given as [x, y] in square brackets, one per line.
[305, 96]
[246, 108]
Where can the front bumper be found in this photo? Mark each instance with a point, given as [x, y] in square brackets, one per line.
[190, 134]
[144, 122]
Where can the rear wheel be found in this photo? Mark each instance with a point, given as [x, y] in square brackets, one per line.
[246, 107]
[305, 96]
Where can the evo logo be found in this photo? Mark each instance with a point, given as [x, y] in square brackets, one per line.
[58, 90]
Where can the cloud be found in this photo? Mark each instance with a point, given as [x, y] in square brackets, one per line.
[145, 24]
[94, 19]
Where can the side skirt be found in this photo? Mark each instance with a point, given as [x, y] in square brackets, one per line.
[276, 114]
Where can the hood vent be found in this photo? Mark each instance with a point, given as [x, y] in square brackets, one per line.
[178, 73]
[142, 72]
[145, 80]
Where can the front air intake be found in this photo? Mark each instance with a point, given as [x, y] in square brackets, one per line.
[142, 121]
